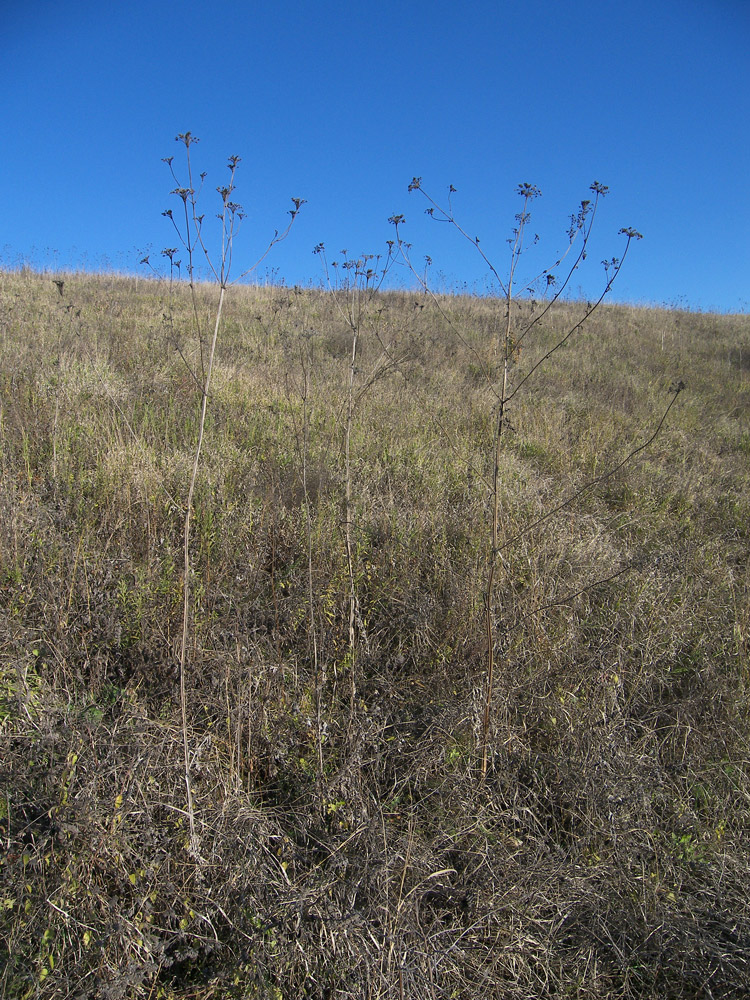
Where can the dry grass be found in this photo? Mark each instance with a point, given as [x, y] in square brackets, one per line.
[606, 853]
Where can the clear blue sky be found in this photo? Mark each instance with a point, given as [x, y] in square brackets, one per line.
[342, 104]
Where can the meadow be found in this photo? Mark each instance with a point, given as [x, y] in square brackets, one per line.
[362, 828]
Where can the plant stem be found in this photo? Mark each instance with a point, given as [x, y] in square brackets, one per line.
[186, 581]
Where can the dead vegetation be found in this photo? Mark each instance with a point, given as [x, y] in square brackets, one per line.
[349, 848]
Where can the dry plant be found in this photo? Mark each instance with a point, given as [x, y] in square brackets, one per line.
[604, 855]
[522, 313]
[189, 227]
[303, 358]
[353, 283]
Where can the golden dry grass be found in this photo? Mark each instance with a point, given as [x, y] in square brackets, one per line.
[606, 853]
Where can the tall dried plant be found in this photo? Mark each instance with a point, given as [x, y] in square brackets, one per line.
[504, 378]
[189, 226]
[353, 283]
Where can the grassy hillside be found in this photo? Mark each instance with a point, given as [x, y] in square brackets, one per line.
[347, 844]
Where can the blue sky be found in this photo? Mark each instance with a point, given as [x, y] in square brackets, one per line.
[342, 104]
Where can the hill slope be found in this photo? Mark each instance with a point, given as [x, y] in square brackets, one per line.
[347, 844]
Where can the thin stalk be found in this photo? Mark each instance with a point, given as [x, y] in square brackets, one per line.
[351, 295]
[230, 218]
[489, 599]
[312, 627]
[186, 593]
[581, 225]
[348, 516]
